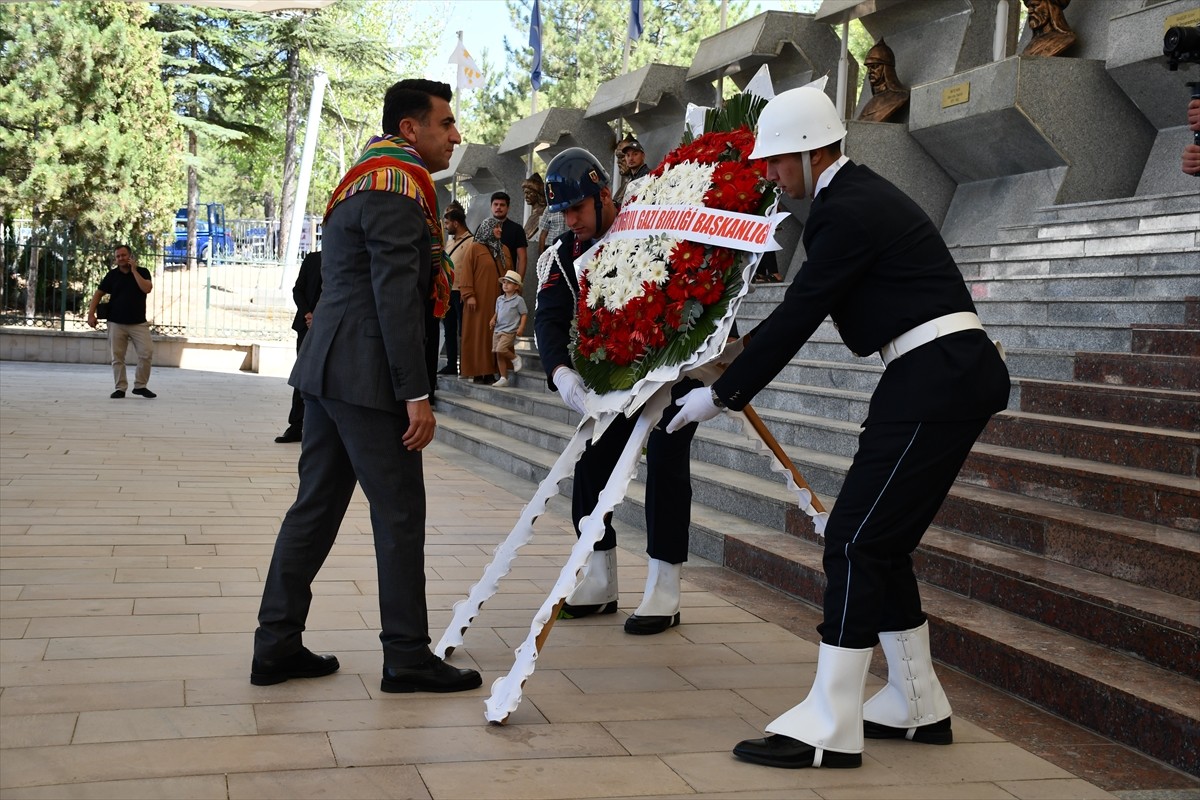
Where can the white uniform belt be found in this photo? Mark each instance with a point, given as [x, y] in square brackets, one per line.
[926, 332]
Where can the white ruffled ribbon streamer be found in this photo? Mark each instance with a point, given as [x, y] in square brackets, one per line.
[506, 690]
[707, 373]
[803, 496]
[467, 609]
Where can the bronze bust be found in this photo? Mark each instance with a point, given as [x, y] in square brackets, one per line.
[1051, 33]
[534, 190]
[888, 95]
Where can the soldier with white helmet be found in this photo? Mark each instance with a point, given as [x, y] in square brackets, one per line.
[879, 268]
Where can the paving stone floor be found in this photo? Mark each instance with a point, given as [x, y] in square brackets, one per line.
[135, 535]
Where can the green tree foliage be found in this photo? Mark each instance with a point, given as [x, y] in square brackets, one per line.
[283, 72]
[204, 50]
[354, 101]
[583, 44]
[86, 129]
[363, 46]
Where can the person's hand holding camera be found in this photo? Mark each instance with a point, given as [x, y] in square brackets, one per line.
[1191, 153]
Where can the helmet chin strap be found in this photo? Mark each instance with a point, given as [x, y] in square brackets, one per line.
[806, 160]
[599, 217]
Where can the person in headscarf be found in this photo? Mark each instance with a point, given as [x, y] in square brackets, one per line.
[484, 263]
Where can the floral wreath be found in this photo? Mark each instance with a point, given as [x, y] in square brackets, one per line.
[652, 301]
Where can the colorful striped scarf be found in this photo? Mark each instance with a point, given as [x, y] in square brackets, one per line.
[391, 164]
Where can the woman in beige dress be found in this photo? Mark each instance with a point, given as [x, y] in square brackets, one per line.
[482, 266]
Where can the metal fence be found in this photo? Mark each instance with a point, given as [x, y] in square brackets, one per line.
[48, 281]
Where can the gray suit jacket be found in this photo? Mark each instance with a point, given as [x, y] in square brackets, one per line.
[367, 342]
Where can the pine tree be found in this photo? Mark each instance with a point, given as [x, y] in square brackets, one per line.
[349, 42]
[85, 128]
[203, 52]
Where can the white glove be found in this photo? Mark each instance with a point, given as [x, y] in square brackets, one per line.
[571, 389]
[696, 406]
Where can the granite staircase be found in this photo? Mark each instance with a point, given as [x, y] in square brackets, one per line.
[1064, 567]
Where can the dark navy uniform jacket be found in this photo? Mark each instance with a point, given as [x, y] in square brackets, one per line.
[556, 308]
[878, 267]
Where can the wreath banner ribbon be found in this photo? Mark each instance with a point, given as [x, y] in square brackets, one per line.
[753, 233]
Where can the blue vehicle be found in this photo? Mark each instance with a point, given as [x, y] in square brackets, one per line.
[212, 235]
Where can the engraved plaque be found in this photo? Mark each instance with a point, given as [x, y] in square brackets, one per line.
[1184, 19]
[956, 95]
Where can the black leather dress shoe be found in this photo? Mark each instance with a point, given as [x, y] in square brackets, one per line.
[569, 611]
[144, 392]
[290, 435]
[644, 626]
[302, 664]
[934, 733]
[788, 753]
[118, 394]
[432, 675]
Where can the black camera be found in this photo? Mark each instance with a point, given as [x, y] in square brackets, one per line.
[1182, 45]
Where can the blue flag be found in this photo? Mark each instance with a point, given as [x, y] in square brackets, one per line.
[637, 21]
[535, 41]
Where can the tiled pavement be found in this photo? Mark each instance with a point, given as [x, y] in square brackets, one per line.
[135, 535]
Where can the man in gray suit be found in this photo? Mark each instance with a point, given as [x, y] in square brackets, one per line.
[367, 416]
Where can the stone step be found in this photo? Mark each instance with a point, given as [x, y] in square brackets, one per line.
[762, 503]
[760, 498]
[1067, 311]
[829, 364]
[1150, 313]
[731, 475]
[1182, 221]
[763, 508]
[1167, 340]
[819, 429]
[1135, 446]
[1119, 695]
[1180, 372]
[820, 363]
[1082, 245]
[1175, 282]
[1145, 553]
[1047, 365]
[1121, 207]
[1148, 496]
[855, 375]
[826, 344]
[1124, 405]
[1038, 326]
[1162, 628]
[1141, 553]
[1111, 266]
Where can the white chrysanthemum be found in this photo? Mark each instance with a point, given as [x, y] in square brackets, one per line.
[622, 269]
[682, 184]
[640, 263]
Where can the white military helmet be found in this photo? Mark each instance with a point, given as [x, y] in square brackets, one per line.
[797, 121]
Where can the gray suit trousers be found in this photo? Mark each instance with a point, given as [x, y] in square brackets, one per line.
[343, 445]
